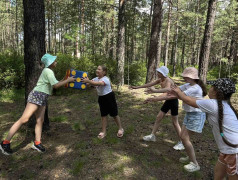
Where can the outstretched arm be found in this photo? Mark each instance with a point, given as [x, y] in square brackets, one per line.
[146, 85]
[166, 87]
[93, 83]
[63, 82]
[186, 99]
[164, 96]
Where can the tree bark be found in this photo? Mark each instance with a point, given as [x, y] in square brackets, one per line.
[155, 31]
[167, 36]
[121, 43]
[206, 44]
[34, 41]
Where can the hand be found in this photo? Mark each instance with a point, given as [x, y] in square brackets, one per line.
[175, 89]
[71, 79]
[85, 80]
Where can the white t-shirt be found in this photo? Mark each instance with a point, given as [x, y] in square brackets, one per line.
[106, 88]
[194, 91]
[230, 124]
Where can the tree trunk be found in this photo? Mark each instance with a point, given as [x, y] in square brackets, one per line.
[183, 52]
[16, 33]
[176, 42]
[149, 29]
[34, 41]
[194, 59]
[121, 43]
[206, 44]
[167, 36]
[82, 49]
[158, 57]
[155, 31]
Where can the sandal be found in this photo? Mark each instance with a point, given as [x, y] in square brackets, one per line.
[120, 132]
[101, 135]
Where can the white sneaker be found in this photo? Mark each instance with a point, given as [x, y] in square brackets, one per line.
[184, 159]
[150, 137]
[191, 167]
[179, 146]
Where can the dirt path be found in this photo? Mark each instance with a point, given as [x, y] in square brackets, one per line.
[74, 152]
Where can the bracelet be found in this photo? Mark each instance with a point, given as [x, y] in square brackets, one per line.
[222, 135]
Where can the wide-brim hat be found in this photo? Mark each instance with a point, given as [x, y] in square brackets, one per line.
[226, 85]
[190, 72]
[48, 59]
[163, 70]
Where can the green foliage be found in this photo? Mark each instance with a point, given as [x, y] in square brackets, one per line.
[224, 72]
[137, 73]
[12, 71]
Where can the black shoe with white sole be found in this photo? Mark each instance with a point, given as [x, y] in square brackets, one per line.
[39, 147]
[6, 148]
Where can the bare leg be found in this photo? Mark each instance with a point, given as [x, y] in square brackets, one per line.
[118, 121]
[187, 144]
[39, 122]
[28, 112]
[176, 125]
[157, 122]
[104, 124]
[219, 171]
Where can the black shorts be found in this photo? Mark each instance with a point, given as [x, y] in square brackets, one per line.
[170, 105]
[108, 105]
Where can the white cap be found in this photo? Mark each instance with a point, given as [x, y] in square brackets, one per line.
[163, 70]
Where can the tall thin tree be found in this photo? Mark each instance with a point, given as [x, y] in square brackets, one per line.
[206, 44]
[155, 31]
[121, 43]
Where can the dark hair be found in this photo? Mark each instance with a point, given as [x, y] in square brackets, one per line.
[221, 96]
[202, 85]
[104, 68]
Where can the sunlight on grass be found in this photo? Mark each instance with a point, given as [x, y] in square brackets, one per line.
[61, 150]
[116, 160]
[11, 95]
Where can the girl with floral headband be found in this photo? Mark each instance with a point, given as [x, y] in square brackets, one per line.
[223, 119]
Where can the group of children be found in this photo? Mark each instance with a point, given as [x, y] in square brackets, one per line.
[221, 114]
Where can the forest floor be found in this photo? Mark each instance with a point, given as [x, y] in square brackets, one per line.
[74, 151]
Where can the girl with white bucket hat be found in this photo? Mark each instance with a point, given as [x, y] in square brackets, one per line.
[165, 82]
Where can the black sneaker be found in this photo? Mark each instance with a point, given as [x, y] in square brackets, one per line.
[6, 149]
[39, 147]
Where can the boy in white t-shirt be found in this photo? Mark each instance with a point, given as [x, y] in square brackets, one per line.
[223, 119]
[106, 99]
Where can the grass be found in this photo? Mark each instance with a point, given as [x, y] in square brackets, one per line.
[75, 152]
[59, 119]
[11, 95]
[77, 167]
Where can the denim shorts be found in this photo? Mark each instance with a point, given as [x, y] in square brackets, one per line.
[194, 121]
[38, 98]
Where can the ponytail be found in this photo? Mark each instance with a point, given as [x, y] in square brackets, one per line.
[220, 97]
